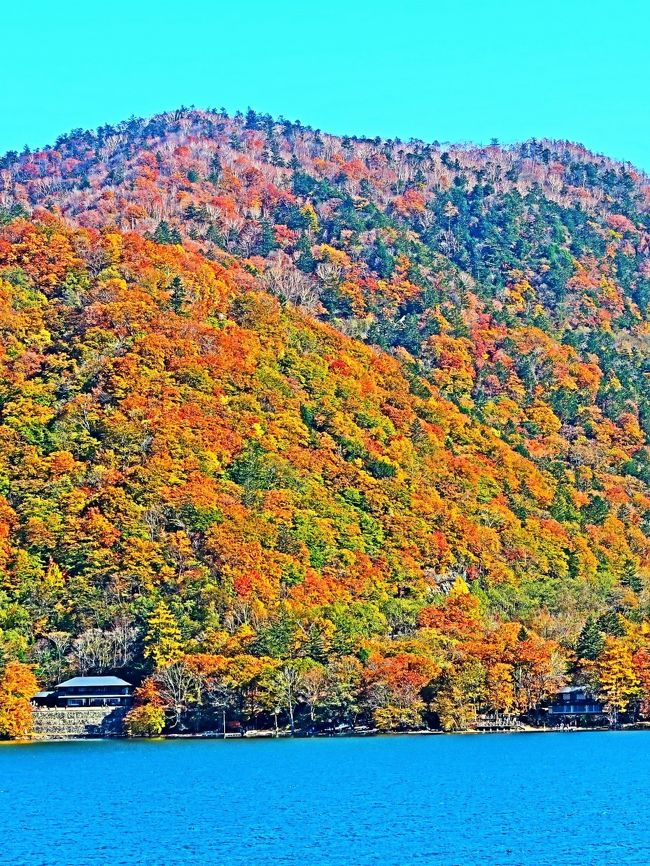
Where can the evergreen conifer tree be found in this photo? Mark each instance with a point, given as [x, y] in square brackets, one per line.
[591, 642]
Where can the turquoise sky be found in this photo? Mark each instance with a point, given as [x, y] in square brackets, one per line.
[459, 70]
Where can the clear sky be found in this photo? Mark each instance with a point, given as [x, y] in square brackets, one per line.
[452, 70]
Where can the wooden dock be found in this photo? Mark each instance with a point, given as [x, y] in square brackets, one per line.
[498, 723]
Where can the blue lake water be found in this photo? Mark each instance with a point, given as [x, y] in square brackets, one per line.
[482, 800]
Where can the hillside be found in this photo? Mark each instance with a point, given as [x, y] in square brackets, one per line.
[343, 428]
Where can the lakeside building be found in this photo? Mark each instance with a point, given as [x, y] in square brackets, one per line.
[88, 692]
[575, 701]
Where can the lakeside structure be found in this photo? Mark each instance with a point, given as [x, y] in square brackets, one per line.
[574, 701]
[88, 692]
[82, 707]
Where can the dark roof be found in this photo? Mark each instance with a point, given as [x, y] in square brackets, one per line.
[75, 682]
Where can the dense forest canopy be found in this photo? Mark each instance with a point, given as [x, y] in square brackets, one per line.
[323, 428]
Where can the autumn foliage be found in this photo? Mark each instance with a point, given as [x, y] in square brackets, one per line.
[17, 687]
[294, 426]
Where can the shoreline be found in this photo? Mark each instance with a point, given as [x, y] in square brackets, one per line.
[286, 735]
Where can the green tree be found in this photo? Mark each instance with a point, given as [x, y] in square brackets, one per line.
[591, 642]
[612, 623]
[177, 296]
[266, 242]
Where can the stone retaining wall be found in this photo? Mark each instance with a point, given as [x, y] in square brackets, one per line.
[62, 723]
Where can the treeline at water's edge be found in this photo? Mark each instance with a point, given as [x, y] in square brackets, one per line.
[505, 680]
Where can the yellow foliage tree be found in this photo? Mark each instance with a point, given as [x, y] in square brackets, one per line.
[163, 639]
[618, 682]
[17, 686]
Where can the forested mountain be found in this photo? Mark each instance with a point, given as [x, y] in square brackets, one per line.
[329, 427]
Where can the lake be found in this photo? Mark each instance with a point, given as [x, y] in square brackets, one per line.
[473, 800]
